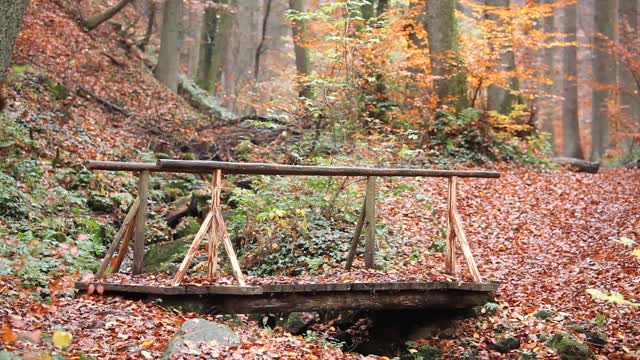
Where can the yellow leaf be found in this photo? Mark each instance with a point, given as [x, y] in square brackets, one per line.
[61, 339]
[146, 344]
[213, 342]
[636, 253]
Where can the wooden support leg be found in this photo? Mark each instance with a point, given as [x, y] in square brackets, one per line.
[213, 229]
[141, 218]
[456, 223]
[184, 266]
[370, 220]
[131, 215]
[356, 237]
[231, 254]
[124, 247]
[450, 256]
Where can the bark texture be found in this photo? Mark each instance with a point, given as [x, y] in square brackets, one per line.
[604, 75]
[11, 12]
[546, 111]
[570, 125]
[629, 100]
[208, 40]
[167, 69]
[442, 33]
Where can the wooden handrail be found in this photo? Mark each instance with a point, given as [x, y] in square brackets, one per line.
[203, 166]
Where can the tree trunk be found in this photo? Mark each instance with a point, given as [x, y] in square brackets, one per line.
[570, 125]
[498, 98]
[302, 54]
[629, 101]
[382, 7]
[208, 41]
[441, 26]
[167, 69]
[95, 21]
[260, 49]
[224, 26]
[150, 22]
[604, 74]
[366, 9]
[10, 20]
[546, 112]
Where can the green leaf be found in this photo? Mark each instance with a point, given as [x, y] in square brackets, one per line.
[626, 241]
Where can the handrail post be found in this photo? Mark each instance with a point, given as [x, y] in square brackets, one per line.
[370, 220]
[141, 217]
[450, 256]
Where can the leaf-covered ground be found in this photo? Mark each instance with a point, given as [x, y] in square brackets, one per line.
[548, 237]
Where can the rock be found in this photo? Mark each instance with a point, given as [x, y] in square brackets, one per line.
[429, 352]
[506, 344]
[297, 322]
[188, 226]
[528, 355]
[100, 204]
[596, 337]
[195, 331]
[165, 257]
[543, 314]
[568, 347]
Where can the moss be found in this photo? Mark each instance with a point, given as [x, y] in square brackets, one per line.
[12, 201]
[506, 344]
[543, 314]
[100, 204]
[165, 257]
[429, 352]
[568, 347]
[188, 226]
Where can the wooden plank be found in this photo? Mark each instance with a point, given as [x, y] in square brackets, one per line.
[213, 229]
[223, 290]
[356, 237]
[184, 266]
[124, 247]
[231, 254]
[132, 289]
[116, 240]
[370, 221]
[141, 219]
[464, 245]
[203, 166]
[121, 166]
[328, 301]
[450, 256]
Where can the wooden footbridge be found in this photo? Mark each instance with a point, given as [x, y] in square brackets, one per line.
[289, 297]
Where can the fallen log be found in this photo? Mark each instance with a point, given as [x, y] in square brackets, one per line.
[578, 165]
[183, 207]
[88, 93]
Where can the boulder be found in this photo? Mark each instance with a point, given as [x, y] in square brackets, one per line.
[196, 331]
[506, 344]
[188, 227]
[165, 257]
[297, 323]
[568, 347]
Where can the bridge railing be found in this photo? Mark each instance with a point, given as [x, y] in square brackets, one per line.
[214, 224]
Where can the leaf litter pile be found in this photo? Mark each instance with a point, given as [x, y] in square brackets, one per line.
[550, 238]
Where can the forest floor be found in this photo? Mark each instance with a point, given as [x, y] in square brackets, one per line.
[548, 236]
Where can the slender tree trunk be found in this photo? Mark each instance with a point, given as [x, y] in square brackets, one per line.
[570, 125]
[167, 69]
[629, 100]
[367, 10]
[382, 7]
[498, 98]
[604, 74]
[260, 49]
[208, 41]
[546, 112]
[301, 53]
[10, 20]
[95, 21]
[450, 85]
[150, 22]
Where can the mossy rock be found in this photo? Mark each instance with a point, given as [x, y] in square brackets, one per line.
[596, 337]
[187, 227]
[165, 257]
[506, 344]
[429, 352]
[569, 348]
[100, 204]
